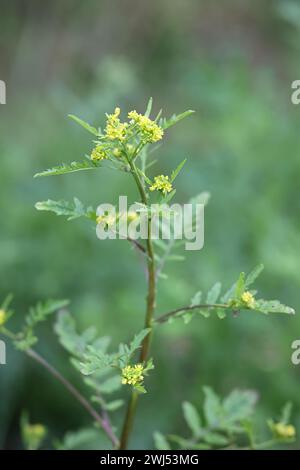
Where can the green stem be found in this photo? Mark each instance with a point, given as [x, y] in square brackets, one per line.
[131, 408]
[102, 420]
[181, 310]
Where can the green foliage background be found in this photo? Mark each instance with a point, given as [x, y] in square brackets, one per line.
[234, 65]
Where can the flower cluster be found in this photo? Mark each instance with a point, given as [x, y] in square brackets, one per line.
[286, 431]
[248, 299]
[162, 184]
[133, 375]
[149, 130]
[98, 154]
[106, 219]
[115, 129]
[3, 317]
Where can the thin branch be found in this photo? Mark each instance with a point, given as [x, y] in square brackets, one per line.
[180, 311]
[103, 421]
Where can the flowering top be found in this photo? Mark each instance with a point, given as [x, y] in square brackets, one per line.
[150, 131]
[248, 299]
[284, 430]
[115, 129]
[162, 184]
[133, 375]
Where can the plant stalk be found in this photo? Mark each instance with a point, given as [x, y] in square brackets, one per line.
[131, 408]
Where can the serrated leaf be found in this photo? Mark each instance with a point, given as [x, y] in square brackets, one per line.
[70, 210]
[95, 360]
[137, 341]
[272, 306]
[192, 418]
[253, 275]
[75, 343]
[212, 408]
[239, 405]
[213, 293]
[72, 167]
[84, 124]
[160, 441]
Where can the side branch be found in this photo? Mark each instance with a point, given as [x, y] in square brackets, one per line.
[180, 311]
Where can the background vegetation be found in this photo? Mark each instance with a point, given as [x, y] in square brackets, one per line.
[234, 65]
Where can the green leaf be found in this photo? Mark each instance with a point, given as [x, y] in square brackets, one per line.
[75, 343]
[221, 313]
[70, 210]
[239, 405]
[240, 286]
[160, 441]
[7, 301]
[286, 413]
[166, 123]
[176, 172]
[148, 181]
[113, 405]
[112, 384]
[84, 124]
[272, 306]
[95, 360]
[149, 107]
[253, 275]
[83, 439]
[212, 408]
[41, 310]
[214, 293]
[192, 418]
[196, 299]
[137, 340]
[215, 439]
[65, 168]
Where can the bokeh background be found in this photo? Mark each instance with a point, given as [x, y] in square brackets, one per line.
[233, 63]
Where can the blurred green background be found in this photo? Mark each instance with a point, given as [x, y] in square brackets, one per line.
[233, 62]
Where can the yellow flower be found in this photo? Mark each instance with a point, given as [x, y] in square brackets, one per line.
[133, 375]
[98, 154]
[115, 129]
[132, 215]
[162, 184]
[284, 430]
[150, 131]
[106, 219]
[2, 317]
[248, 299]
